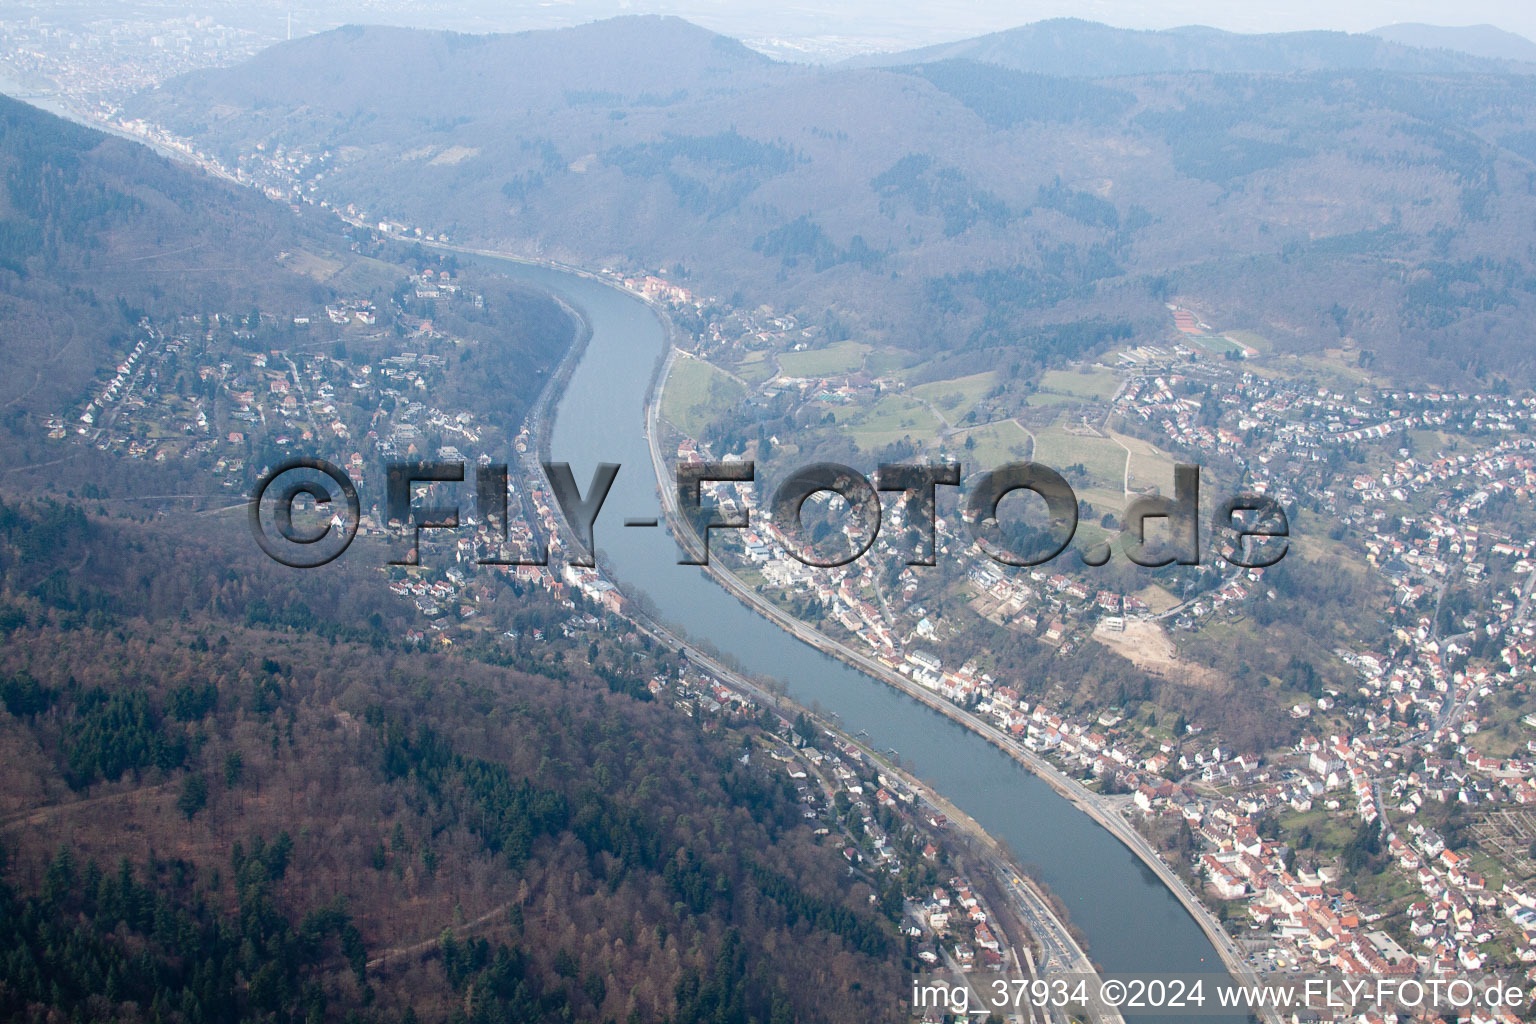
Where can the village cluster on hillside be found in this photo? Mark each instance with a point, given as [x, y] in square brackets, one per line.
[1430, 730]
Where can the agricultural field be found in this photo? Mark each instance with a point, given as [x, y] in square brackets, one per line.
[1101, 458]
[1150, 466]
[1047, 399]
[756, 367]
[954, 398]
[1092, 385]
[888, 420]
[696, 393]
[842, 357]
[995, 444]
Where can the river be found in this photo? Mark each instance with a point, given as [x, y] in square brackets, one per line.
[1132, 922]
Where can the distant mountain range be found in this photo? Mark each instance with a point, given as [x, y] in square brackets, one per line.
[1486, 41]
[1071, 47]
[959, 199]
[382, 73]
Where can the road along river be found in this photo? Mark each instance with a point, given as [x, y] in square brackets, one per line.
[1132, 920]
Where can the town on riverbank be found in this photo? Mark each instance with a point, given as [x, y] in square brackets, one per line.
[1361, 807]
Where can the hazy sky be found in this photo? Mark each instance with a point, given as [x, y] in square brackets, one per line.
[1350, 15]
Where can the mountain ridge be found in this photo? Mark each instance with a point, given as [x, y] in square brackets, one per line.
[640, 53]
[1077, 48]
[1486, 41]
[1004, 203]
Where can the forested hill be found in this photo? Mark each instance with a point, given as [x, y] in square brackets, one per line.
[106, 247]
[1342, 186]
[374, 75]
[98, 231]
[230, 795]
[235, 792]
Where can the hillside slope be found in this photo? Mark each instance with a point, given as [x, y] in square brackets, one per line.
[1378, 205]
[233, 791]
[98, 231]
[226, 805]
[107, 248]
